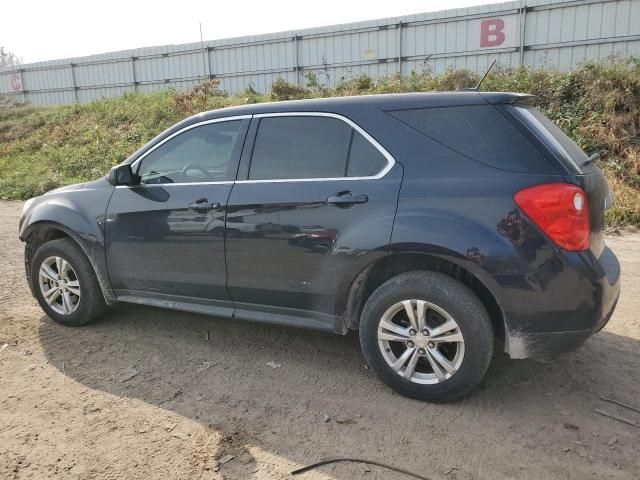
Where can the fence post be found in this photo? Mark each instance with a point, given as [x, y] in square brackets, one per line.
[400, 49]
[24, 92]
[206, 62]
[212, 70]
[73, 82]
[296, 66]
[133, 74]
[523, 26]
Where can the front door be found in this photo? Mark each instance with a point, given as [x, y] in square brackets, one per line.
[165, 237]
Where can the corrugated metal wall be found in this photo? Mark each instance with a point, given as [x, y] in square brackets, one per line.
[540, 33]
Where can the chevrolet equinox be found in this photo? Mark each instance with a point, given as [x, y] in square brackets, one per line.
[433, 224]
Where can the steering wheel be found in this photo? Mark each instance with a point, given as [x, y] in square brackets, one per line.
[193, 166]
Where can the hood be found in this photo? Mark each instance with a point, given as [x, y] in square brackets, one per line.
[100, 183]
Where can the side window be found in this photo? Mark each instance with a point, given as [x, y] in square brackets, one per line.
[300, 147]
[201, 154]
[365, 160]
[481, 133]
[312, 147]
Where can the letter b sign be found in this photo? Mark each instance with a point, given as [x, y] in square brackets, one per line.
[491, 33]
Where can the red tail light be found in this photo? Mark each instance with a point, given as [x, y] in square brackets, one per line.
[560, 210]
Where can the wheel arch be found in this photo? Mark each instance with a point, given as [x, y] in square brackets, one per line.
[40, 232]
[379, 271]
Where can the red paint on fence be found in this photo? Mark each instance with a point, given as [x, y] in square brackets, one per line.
[491, 33]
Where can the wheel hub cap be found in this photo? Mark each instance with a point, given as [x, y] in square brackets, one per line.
[421, 341]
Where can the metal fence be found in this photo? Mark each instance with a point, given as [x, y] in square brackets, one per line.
[539, 33]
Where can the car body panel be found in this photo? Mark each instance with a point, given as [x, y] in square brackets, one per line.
[77, 210]
[287, 247]
[156, 244]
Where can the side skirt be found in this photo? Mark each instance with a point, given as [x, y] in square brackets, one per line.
[257, 313]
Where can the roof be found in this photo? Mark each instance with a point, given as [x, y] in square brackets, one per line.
[393, 101]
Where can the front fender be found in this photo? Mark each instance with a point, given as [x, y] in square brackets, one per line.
[82, 219]
[64, 215]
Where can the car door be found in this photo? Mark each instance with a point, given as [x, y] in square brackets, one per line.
[165, 236]
[313, 204]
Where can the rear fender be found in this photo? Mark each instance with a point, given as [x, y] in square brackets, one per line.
[482, 252]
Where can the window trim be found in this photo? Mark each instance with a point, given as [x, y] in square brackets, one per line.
[390, 160]
[136, 164]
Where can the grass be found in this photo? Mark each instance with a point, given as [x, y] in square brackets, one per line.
[598, 105]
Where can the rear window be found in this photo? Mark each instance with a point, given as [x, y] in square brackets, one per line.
[479, 132]
[560, 142]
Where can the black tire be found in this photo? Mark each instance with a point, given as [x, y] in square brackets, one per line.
[91, 302]
[460, 303]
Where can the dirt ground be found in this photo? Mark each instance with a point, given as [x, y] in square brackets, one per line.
[148, 393]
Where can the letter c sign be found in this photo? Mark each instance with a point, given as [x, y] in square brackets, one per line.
[491, 33]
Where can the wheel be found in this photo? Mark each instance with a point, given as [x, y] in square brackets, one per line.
[427, 336]
[64, 283]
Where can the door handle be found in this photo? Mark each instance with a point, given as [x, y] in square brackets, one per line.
[347, 199]
[202, 205]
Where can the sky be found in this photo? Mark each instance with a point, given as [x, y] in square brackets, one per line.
[53, 29]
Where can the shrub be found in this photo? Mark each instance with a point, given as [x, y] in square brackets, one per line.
[283, 90]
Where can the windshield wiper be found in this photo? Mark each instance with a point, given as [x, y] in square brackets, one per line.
[593, 158]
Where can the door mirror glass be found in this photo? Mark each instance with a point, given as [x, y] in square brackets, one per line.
[122, 175]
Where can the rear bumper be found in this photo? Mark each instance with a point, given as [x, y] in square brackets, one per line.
[597, 299]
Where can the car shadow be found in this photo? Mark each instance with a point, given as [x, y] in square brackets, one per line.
[304, 395]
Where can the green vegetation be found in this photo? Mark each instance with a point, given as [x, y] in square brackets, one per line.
[42, 148]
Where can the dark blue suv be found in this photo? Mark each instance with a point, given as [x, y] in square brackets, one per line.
[432, 223]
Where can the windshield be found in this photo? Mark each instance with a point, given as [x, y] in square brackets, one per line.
[559, 141]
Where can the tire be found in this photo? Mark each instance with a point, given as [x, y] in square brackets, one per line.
[78, 277]
[443, 298]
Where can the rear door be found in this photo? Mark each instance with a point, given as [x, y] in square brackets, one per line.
[314, 202]
[165, 237]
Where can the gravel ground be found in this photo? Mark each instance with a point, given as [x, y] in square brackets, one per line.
[148, 393]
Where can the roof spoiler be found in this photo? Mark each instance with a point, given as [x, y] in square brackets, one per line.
[521, 99]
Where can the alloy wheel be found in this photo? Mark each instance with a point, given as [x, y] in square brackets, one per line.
[420, 341]
[59, 285]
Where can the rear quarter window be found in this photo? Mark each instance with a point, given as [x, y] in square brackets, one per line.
[364, 159]
[479, 132]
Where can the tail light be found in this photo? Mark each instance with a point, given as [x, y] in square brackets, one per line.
[560, 210]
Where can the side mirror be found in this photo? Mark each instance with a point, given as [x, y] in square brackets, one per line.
[122, 175]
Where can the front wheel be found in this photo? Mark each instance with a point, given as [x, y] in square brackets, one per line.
[64, 283]
[427, 336]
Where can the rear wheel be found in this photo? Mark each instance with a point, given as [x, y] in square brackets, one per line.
[427, 336]
[64, 283]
